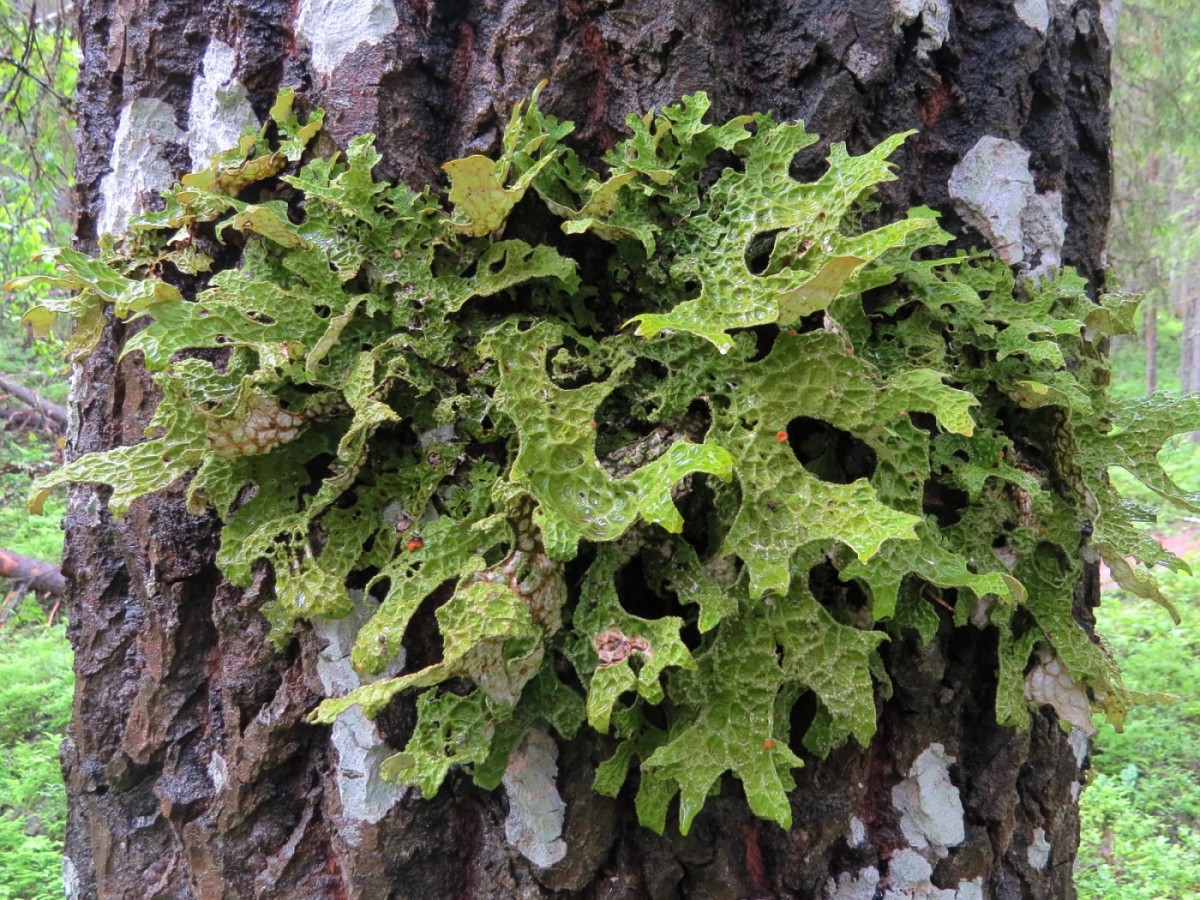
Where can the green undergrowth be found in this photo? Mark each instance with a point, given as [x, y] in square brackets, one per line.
[673, 446]
[37, 536]
[1141, 810]
[36, 684]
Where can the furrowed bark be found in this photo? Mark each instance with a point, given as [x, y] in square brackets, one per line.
[190, 772]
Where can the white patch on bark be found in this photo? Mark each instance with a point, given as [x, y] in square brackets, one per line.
[70, 877]
[1034, 13]
[1038, 853]
[935, 21]
[861, 62]
[1080, 744]
[858, 832]
[993, 191]
[220, 110]
[1045, 230]
[858, 886]
[1049, 684]
[929, 803]
[360, 749]
[218, 771]
[137, 167]
[909, 877]
[981, 615]
[535, 808]
[1109, 10]
[335, 28]
[366, 797]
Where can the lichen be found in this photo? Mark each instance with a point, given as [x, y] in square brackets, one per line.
[535, 808]
[636, 467]
[929, 804]
[1038, 853]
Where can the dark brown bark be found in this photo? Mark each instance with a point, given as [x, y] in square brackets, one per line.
[32, 574]
[51, 411]
[189, 770]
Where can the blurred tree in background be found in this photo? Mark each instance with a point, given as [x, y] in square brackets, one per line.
[37, 156]
[1154, 242]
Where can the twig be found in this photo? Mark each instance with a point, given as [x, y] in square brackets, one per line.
[53, 612]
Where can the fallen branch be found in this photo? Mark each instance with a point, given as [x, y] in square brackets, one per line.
[23, 418]
[32, 574]
[52, 411]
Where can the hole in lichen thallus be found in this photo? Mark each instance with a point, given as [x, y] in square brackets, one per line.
[943, 502]
[843, 599]
[764, 341]
[422, 640]
[758, 251]
[636, 595]
[830, 453]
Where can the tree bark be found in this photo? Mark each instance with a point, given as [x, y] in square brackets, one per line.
[189, 769]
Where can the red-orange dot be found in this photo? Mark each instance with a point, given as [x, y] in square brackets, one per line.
[592, 423]
[781, 436]
[849, 351]
[415, 544]
[768, 744]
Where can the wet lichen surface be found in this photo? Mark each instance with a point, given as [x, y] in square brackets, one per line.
[673, 449]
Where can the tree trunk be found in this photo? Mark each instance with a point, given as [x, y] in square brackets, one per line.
[1150, 339]
[190, 772]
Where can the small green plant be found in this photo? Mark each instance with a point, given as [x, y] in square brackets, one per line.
[617, 454]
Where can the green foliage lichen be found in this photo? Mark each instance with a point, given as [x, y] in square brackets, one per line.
[389, 391]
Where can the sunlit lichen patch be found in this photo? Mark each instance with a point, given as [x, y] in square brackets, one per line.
[664, 476]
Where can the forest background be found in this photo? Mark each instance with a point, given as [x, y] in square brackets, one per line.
[1141, 809]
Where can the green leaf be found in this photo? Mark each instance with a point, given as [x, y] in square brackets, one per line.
[928, 559]
[831, 660]
[784, 505]
[601, 624]
[728, 725]
[556, 461]
[763, 199]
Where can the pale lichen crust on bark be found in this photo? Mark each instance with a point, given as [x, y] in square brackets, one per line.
[707, 382]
